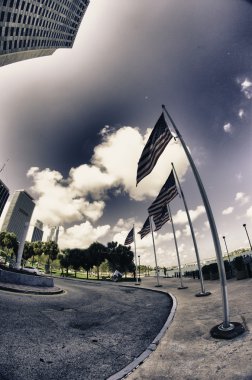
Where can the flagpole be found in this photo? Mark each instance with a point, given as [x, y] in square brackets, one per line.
[203, 291]
[176, 246]
[225, 330]
[157, 273]
[137, 282]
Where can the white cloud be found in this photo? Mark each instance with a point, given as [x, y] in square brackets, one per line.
[187, 230]
[246, 88]
[249, 212]
[228, 128]
[82, 235]
[57, 203]
[241, 198]
[241, 113]
[228, 211]
[115, 157]
[181, 218]
[82, 195]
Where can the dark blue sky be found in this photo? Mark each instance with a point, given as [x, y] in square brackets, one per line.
[194, 56]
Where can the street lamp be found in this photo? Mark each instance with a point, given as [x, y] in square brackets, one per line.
[244, 225]
[224, 238]
[139, 265]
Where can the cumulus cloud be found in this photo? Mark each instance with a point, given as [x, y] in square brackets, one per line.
[249, 212]
[81, 235]
[228, 128]
[228, 211]
[57, 202]
[113, 166]
[241, 113]
[115, 157]
[181, 218]
[241, 198]
[246, 88]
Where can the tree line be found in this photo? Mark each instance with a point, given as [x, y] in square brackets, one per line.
[119, 257]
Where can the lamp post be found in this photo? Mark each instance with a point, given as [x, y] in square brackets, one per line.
[139, 266]
[244, 225]
[224, 238]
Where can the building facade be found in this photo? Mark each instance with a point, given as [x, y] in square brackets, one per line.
[4, 195]
[35, 28]
[38, 232]
[19, 214]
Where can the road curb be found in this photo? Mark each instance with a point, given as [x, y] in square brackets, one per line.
[124, 372]
[32, 291]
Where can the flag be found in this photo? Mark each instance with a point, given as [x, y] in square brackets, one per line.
[130, 237]
[159, 138]
[145, 229]
[166, 195]
[161, 219]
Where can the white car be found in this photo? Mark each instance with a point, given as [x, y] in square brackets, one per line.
[33, 270]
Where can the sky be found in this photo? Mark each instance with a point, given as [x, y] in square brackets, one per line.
[74, 124]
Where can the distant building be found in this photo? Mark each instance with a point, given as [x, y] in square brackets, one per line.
[38, 232]
[4, 195]
[36, 28]
[19, 214]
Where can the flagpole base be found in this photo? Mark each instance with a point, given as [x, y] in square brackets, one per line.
[220, 332]
[158, 286]
[137, 283]
[182, 287]
[202, 294]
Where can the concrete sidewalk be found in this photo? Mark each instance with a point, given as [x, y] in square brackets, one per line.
[187, 351]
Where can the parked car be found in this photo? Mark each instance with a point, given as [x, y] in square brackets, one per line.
[33, 270]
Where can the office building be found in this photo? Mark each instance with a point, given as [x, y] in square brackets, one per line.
[36, 28]
[38, 232]
[19, 214]
[4, 195]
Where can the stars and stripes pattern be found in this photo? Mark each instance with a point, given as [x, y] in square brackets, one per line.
[145, 229]
[130, 237]
[161, 219]
[167, 194]
[159, 138]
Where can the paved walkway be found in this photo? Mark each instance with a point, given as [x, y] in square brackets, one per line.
[187, 351]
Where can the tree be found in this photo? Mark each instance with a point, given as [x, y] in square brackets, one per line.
[86, 260]
[28, 251]
[38, 248]
[64, 260]
[9, 243]
[75, 259]
[98, 254]
[120, 258]
[50, 249]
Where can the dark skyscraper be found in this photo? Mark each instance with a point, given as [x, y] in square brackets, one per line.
[19, 214]
[35, 28]
[4, 195]
[38, 232]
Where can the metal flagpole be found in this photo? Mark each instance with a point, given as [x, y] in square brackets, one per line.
[157, 272]
[176, 246]
[137, 282]
[203, 291]
[225, 330]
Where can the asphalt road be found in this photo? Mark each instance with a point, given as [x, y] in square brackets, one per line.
[90, 332]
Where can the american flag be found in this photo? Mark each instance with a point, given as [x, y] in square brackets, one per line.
[161, 219]
[145, 229]
[159, 138]
[130, 237]
[166, 195]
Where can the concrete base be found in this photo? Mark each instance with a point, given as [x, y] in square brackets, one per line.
[24, 279]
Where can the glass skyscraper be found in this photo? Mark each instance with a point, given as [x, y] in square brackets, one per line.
[19, 214]
[35, 28]
[4, 195]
